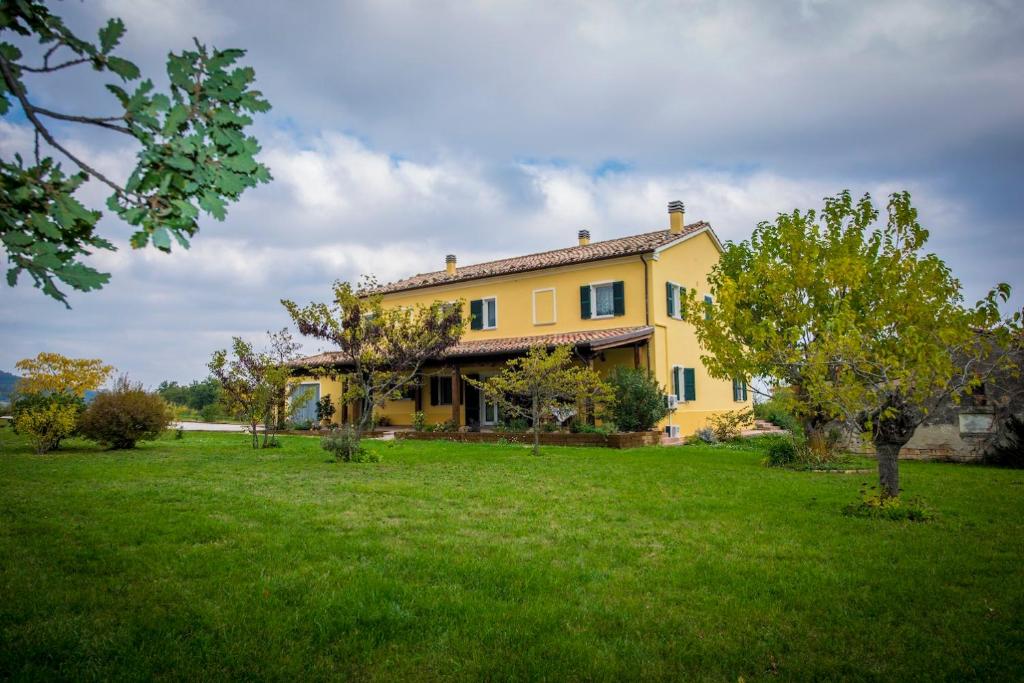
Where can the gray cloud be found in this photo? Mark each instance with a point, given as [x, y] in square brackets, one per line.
[493, 129]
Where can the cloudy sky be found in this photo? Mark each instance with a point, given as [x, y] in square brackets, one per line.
[403, 131]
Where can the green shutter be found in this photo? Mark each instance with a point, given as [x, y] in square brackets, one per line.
[677, 383]
[585, 302]
[744, 386]
[619, 297]
[682, 304]
[689, 384]
[476, 314]
[735, 389]
[670, 297]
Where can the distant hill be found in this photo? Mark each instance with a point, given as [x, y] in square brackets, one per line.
[7, 381]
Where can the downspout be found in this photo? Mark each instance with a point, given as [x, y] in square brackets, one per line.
[647, 308]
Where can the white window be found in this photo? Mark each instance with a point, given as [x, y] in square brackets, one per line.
[602, 300]
[490, 313]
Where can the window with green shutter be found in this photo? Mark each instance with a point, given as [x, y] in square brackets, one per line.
[739, 390]
[689, 384]
[708, 303]
[677, 382]
[674, 299]
[476, 314]
[585, 302]
[619, 297]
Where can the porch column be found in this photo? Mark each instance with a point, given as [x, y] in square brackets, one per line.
[456, 398]
[636, 356]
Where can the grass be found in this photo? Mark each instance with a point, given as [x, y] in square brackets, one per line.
[201, 559]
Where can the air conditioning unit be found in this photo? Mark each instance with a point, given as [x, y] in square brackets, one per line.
[672, 431]
[671, 402]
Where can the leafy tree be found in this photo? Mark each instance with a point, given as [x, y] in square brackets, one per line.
[864, 326]
[385, 346]
[253, 384]
[124, 415]
[197, 395]
[54, 373]
[639, 400]
[544, 383]
[195, 154]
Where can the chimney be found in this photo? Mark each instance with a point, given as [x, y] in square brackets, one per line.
[676, 217]
[449, 262]
[584, 236]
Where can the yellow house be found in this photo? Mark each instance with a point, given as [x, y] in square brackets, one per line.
[616, 301]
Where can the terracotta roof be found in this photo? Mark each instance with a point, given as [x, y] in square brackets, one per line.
[595, 251]
[591, 340]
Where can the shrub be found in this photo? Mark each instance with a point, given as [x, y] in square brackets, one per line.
[345, 447]
[726, 426]
[382, 421]
[897, 509]
[325, 410]
[513, 425]
[1008, 450]
[780, 452]
[125, 415]
[46, 424]
[639, 400]
[419, 421]
[580, 427]
[446, 426]
[210, 412]
[707, 435]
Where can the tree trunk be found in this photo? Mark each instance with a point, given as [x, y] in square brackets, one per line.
[255, 434]
[888, 468]
[536, 426]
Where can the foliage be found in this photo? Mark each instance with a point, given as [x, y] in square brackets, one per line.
[583, 427]
[515, 424]
[197, 395]
[346, 446]
[194, 152]
[54, 373]
[781, 452]
[46, 423]
[385, 346]
[877, 505]
[779, 410]
[127, 413]
[543, 383]
[639, 400]
[419, 421]
[865, 326]
[255, 384]
[446, 426]
[728, 425]
[325, 410]
[1008, 450]
[706, 434]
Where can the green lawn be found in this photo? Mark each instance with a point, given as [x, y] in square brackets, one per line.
[202, 559]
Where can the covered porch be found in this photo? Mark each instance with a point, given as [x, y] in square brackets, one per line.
[443, 396]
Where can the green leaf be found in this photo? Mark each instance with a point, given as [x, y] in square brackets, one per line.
[161, 239]
[181, 163]
[110, 35]
[177, 116]
[213, 204]
[123, 68]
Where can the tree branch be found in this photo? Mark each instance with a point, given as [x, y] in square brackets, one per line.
[103, 122]
[45, 69]
[30, 113]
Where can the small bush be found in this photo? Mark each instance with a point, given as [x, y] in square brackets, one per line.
[898, 509]
[382, 421]
[419, 421]
[210, 413]
[707, 435]
[639, 399]
[513, 425]
[727, 425]
[125, 415]
[580, 427]
[342, 444]
[781, 452]
[446, 426]
[325, 410]
[46, 424]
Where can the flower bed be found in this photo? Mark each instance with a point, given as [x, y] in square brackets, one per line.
[622, 440]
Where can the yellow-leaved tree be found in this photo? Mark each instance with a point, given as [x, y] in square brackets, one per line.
[52, 373]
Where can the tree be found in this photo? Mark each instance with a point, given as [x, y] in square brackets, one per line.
[386, 347]
[544, 383]
[864, 326]
[54, 373]
[639, 399]
[253, 384]
[195, 155]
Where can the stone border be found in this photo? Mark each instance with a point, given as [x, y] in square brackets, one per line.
[621, 440]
